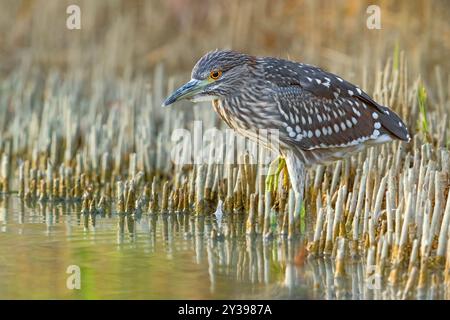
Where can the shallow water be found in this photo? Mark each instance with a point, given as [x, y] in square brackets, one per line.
[149, 257]
[157, 257]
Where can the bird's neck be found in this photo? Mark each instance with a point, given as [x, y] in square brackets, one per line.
[218, 107]
[215, 104]
[220, 110]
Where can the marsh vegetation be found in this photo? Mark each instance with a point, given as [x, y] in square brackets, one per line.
[86, 156]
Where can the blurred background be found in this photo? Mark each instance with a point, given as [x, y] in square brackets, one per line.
[73, 96]
[133, 37]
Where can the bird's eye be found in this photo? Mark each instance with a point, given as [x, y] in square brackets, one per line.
[215, 74]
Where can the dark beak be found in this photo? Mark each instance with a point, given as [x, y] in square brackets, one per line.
[186, 91]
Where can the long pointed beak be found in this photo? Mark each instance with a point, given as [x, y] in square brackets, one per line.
[186, 91]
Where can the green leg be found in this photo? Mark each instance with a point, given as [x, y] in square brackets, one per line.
[275, 168]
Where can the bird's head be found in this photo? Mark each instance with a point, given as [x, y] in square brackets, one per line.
[216, 75]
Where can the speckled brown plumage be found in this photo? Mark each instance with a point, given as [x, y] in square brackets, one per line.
[318, 114]
[318, 117]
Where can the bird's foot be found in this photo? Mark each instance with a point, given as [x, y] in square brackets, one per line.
[275, 169]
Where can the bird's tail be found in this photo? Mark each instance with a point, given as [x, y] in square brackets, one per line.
[394, 124]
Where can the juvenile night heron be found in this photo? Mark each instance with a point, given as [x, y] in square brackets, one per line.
[319, 117]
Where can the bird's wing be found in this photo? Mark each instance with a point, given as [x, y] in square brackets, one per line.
[313, 122]
[308, 90]
[337, 87]
[324, 87]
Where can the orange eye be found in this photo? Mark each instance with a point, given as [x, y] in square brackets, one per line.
[215, 74]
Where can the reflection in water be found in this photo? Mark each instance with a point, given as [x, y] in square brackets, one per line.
[163, 256]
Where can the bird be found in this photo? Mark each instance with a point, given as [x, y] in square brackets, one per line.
[318, 117]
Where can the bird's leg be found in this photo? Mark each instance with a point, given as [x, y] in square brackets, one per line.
[271, 174]
[297, 175]
[275, 168]
[281, 166]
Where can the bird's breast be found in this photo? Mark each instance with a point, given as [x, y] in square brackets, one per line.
[238, 120]
[218, 106]
[231, 115]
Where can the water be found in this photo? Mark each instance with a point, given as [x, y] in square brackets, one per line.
[158, 257]
[149, 257]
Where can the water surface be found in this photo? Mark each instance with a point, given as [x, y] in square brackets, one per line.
[142, 257]
[170, 256]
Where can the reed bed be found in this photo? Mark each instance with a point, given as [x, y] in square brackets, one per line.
[82, 126]
[107, 150]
